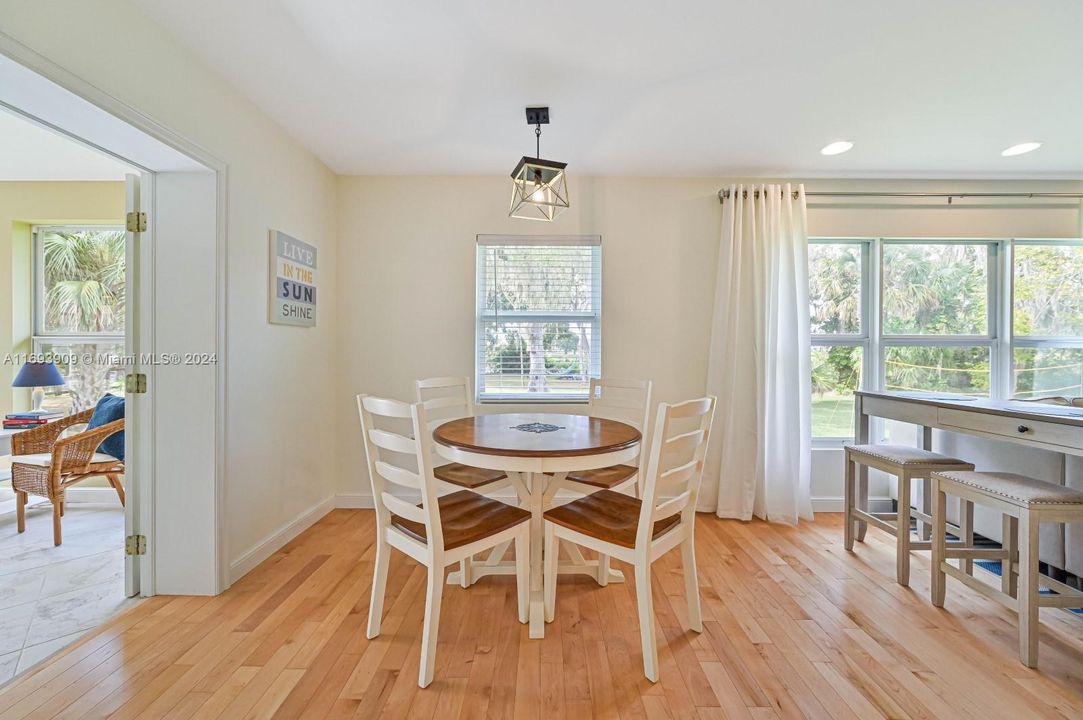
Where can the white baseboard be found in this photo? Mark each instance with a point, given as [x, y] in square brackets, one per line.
[836, 504]
[354, 500]
[274, 542]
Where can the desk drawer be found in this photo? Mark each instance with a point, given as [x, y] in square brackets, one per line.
[1032, 430]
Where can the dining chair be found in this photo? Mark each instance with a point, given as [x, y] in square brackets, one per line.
[438, 532]
[639, 531]
[449, 398]
[626, 401]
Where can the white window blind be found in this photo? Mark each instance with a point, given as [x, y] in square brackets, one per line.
[539, 310]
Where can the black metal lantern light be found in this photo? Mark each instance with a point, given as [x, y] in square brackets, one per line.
[539, 188]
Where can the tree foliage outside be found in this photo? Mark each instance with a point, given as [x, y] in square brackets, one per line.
[941, 289]
[544, 355]
[83, 294]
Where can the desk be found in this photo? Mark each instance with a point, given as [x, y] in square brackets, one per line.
[1049, 427]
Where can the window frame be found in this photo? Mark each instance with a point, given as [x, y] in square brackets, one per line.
[1000, 309]
[481, 316]
[993, 309]
[862, 339]
[1037, 342]
[39, 336]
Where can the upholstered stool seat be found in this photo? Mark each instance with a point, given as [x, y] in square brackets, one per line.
[906, 463]
[1025, 503]
[1019, 489]
[903, 455]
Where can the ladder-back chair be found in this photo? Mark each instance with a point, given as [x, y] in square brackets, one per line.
[439, 531]
[637, 531]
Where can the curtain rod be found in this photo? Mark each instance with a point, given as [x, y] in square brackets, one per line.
[724, 194]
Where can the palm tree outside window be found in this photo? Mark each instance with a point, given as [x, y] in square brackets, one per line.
[79, 294]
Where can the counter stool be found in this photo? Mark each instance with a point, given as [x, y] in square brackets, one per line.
[1025, 504]
[905, 463]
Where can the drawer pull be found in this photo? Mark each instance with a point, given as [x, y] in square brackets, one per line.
[1023, 429]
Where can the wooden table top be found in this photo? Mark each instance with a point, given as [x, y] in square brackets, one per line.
[517, 434]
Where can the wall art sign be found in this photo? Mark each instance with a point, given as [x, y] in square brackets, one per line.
[293, 281]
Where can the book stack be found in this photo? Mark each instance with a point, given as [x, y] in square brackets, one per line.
[27, 420]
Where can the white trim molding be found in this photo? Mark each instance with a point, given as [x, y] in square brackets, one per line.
[277, 540]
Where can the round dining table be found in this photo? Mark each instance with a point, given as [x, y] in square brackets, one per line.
[537, 451]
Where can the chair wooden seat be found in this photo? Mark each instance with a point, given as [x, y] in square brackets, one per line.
[466, 517]
[604, 478]
[609, 516]
[467, 476]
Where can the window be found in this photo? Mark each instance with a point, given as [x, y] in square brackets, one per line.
[941, 315]
[840, 341]
[1047, 319]
[538, 317]
[78, 311]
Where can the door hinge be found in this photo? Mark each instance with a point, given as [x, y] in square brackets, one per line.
[135, 383]
[136, 222]
[135, 545]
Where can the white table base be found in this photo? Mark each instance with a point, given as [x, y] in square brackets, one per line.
[536, 491]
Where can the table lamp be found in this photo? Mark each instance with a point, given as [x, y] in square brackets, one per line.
[38, 375]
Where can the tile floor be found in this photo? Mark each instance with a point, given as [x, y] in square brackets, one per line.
[50, 596]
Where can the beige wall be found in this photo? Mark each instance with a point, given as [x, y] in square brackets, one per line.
[280, 391]
[406, 264]
[407, 259]
[23, 204]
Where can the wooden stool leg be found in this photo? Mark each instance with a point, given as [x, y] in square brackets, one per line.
[902, 531]
[848, 504]
[1010, 544]
[61, 502]
[20, 511]
[862, 499]
[924, 528]
[939, 580]
[966, 528]
[57, 512]
[1028, 589]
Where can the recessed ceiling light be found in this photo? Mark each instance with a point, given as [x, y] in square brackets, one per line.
[836, 148]
[1021, 148]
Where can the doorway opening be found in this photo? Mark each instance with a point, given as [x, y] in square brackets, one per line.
[115, 301]
[63, 296]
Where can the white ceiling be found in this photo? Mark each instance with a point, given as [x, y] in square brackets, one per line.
[924, 88]
[31, 152]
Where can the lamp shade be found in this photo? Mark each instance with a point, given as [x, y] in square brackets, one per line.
[539, 189]
[38, 374]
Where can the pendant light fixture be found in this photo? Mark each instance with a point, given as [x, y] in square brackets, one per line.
[539, 188]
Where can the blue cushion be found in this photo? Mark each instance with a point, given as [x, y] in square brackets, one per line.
[108, 409]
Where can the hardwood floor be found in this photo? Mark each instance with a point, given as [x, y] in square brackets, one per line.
[794, 627]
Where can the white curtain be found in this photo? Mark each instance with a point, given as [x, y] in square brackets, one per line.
[760, 451]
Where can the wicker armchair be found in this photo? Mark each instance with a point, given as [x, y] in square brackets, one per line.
[44, 463]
